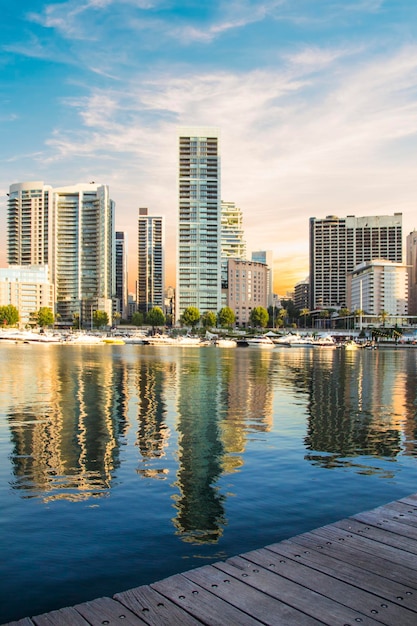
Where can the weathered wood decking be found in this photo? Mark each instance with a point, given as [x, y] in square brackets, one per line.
[360, 570]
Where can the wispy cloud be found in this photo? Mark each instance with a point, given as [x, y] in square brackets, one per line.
[287, 157]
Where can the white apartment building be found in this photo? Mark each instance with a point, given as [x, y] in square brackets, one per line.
[338, 245]
[29, 224]
[28, 288]
[83, 268]
[199, 221]
[151, 261]
[379, 285]
[72, 229]
[233, 242]
[248, 288]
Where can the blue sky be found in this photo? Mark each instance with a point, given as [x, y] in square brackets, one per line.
[315, 101]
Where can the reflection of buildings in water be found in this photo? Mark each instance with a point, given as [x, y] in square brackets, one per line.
[246, 401]
[200, 505]
[153, 433]
[354, 404]
[410, 420]
[66, 437]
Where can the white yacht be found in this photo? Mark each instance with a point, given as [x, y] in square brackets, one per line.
[260, 342]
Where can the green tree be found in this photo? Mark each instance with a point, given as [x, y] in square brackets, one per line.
[116, 318]
[259, 317]
[208, 319]
[226, 317]
[344, 313]
[324, 316]
[155, 317]
[304, 313]
[45, 317]
[100, 319]
[282, 317]
[383, 315]
[76, 321]
[190, 316]
[137, 318]
[9, 315]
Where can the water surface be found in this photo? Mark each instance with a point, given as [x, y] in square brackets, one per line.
[121, 465]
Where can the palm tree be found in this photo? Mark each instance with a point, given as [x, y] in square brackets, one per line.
[304, 313]
[324, 315]
[383, 317]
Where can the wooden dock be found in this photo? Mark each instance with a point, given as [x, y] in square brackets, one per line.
[360, 570]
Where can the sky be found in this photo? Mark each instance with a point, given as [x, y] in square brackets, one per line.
[315, 101]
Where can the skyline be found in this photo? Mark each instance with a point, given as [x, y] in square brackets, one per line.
[316, 108]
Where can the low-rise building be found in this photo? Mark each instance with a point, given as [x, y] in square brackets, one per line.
[379, 286]
[248, 288]
[28, 288]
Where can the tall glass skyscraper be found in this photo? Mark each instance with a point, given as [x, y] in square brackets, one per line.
[151, 264]
[199, 221]
[121, 284]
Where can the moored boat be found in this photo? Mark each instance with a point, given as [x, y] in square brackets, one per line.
[260, 342]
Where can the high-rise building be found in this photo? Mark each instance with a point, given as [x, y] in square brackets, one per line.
[83, 250]
[302, 294]
[29, 223]
[71, 229]
[121, 285]
[151, 270]
[411, 260]
[338, 245]
[199, 222]
[267, 257]
[233, 244]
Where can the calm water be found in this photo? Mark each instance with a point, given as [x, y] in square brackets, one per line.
[121, 465]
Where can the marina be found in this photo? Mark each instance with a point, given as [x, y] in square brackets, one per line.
[359, 570]
[130, 464]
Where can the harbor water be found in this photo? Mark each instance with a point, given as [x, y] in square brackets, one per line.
[123, 464]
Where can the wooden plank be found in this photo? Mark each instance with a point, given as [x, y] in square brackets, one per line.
[386, 537]
[26, 621]
[201, 603]
[62, 617]
[107, 611]
[337, 599]
[387, 522]
[410, 499]
[262, 606]
[401, 512]
[355, 571]
[154, 608]
[388, 557]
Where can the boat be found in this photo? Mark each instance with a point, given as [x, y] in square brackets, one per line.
[260, 342]
[326, 341]
[349, 345]
[183, 341]
[225, 343]
[114, 340]
[292, 339]
[159, 340]
[29, 336]
[84, 339]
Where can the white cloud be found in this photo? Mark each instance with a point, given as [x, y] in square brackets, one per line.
[294, 144]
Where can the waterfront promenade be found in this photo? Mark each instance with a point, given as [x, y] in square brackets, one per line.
[359, 570]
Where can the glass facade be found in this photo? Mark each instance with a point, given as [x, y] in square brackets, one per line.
[199, 222]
